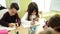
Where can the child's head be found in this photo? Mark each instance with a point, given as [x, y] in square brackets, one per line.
[32, 9]
[14, 8]
[54, 22]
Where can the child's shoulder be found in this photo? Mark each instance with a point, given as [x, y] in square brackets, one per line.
[26, 13]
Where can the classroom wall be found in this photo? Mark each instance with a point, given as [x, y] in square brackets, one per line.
[8, 2]
[23, 6]
[55, 5]
[3, 3]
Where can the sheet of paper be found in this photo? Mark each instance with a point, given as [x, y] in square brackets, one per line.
[8, 28]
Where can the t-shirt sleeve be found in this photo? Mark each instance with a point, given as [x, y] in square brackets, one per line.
[2, 21]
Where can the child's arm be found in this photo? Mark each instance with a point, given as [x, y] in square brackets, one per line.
[2, 21]
[18, 20]
[37, 23]
[24, 21]
[32, 24]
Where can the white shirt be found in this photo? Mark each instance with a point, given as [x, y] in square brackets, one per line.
[26, 23]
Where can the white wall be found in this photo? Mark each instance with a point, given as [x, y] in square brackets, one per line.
[40, 4]
[55, 5]
[3, 3]
[47, 5]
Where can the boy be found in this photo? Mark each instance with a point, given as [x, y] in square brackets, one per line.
[11, 17]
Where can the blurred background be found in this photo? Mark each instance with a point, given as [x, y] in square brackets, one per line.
[47, 7]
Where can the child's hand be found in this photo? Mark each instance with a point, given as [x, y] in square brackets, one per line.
[45, 27]
[11, 24]
[32, 24]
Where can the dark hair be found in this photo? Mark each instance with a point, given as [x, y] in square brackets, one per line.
[54, 21]
[31, 7]
[14, 5]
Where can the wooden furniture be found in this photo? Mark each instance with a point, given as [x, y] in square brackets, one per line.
[20, 29]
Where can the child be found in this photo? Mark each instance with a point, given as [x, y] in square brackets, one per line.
[11, 17]
[31, 13]
[54, 25]
[29, 17]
